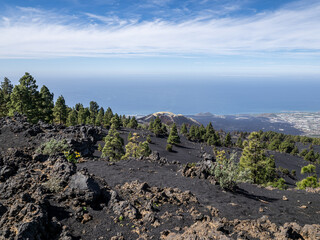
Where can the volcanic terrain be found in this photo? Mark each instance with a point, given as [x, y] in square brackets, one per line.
[155, 197]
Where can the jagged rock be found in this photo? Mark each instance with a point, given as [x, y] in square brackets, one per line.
[200, 170]
[84, 187]
[29, 222]
[6, 172]
[154, 156]
[124, 208]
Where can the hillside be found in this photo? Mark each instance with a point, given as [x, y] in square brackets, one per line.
[169, 118]
[156, 197]
[248, 123]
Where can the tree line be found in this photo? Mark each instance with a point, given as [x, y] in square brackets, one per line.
[26, 99]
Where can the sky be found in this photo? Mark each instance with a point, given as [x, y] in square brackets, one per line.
[154, 39]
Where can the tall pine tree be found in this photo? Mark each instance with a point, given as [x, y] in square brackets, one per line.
[108, 115]
[25, 98]
[254, 160]
[94, 108]
[113, 148]
[184, 129]
[46, 105]
[173, 136]
[5, 92]
[60, 111]
[99, 119]
[72, 119]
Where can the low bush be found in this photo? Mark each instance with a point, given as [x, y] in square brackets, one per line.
[72, 156]
[285, 171]
[227, 172]
[53, 146]
[169, 148]
[280, 184]
[308, 182]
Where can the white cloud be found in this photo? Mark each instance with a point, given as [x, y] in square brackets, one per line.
[33, 33]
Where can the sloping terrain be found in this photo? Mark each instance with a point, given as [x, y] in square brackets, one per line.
[47, 197]
[247, 123]
[169, 118]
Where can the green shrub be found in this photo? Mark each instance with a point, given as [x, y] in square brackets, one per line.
[308, 169]
[191, 165]
[310, 156]
[227, 172]
[308, 182]
[53, 185]
[303, 152]
[53, 146]
[293, 173]
[280, 184]
[169, 148]
[285, 171]
[149, 139]
[144, 149]
[72, 156]
[295, 151]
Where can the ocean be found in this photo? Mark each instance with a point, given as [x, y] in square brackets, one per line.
[191, 97]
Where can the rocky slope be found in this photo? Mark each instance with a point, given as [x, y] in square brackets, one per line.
[47, 197]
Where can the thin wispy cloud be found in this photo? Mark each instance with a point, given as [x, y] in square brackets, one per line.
[36, 33]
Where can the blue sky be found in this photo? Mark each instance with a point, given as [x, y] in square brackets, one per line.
[160, 39]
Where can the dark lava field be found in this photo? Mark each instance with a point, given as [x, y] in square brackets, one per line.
[155, 197]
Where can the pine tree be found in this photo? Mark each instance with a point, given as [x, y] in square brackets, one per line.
[94, 108]
[78, 106]
[310, 156]
[133, 123]
[72, 119]
[209, 132]
[46, 105]
[144, 149]
[192, 133]
[25, 97]
[239, 142]
[82, 116]
[129, 136]
[60, 111]
[108, 115]
[99, 119]
[151, 123]
[202, 132]
[184, 129]
[113, 148]
[87, 114]
[5, 92]
[6, 87]
[173, 136]
[115, 120]
[254, 159]
[227, 141]
[125, 121]
[157, 127]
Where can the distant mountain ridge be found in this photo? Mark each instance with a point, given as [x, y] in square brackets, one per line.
[170, 118]
[295, 123]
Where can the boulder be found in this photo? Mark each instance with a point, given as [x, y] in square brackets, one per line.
[84, 187]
